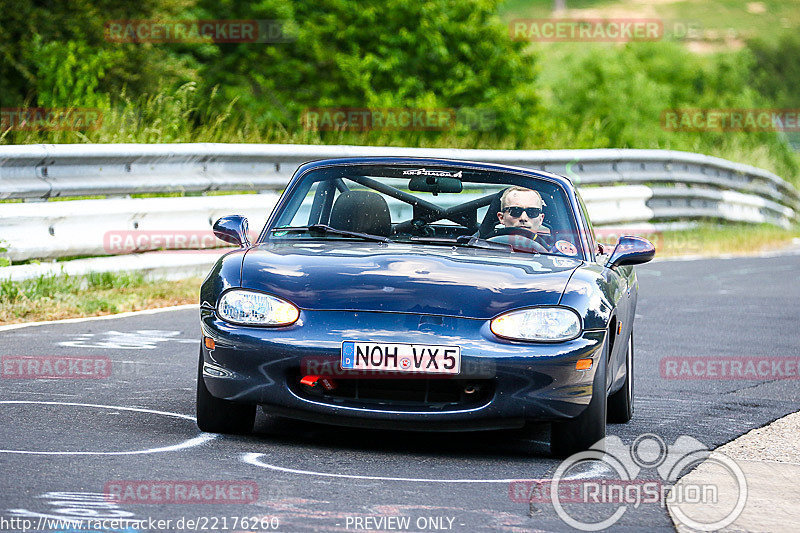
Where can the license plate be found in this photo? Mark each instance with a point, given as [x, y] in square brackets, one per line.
[401, 357]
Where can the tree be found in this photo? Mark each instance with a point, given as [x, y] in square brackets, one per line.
[376, 53]
[55, 53]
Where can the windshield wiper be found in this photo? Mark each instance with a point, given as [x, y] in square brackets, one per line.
[318, 230]
[477, 242]
[464, 241]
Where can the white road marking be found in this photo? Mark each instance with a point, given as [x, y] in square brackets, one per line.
[596, 471]
[196, 441]
[254, 459]
[142, 339]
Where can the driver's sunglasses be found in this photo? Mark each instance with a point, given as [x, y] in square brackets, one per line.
[516, 212]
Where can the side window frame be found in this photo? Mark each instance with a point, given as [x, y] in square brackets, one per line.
[587, 226]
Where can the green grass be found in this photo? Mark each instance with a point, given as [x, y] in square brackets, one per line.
[709, 20]
[58, 297]
[717, 239]
[125, 123]
[175, 194]
[731, 17]
[4, 261]
[544, 8]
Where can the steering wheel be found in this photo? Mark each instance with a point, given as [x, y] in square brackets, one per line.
[522, 232]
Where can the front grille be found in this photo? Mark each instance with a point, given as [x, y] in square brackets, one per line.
[392, 394]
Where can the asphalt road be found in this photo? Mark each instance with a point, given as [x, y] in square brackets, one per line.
[134, 423]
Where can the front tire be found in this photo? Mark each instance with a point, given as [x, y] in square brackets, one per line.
[620, 404]
[580, 433]
[215, 415]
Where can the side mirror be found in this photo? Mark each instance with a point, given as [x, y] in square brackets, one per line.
[232, 229]
[631, 250]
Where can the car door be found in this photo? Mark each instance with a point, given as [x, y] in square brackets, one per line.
[618, 285]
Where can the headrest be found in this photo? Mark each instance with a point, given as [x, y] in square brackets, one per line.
[362, 211]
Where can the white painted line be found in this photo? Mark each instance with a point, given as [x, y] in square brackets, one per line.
[254, 459]
[596, 471]
[785, 252]
[103, 317]
[201, 439]
[196, 441]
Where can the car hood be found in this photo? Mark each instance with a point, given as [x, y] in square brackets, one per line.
[405, 278]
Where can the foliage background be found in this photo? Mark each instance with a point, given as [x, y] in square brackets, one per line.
[391, 53]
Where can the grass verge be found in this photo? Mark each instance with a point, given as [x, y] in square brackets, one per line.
[717, 239]
[58, 297]
[710, 20]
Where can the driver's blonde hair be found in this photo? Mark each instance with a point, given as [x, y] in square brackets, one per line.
[517, 188]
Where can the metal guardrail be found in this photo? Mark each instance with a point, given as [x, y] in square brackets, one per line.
[44, 171]
[116, 226]
[122, 225]
[637, 187]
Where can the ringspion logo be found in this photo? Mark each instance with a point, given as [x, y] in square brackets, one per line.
[648, 471]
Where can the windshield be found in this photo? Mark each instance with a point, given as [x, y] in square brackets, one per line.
[429, 206]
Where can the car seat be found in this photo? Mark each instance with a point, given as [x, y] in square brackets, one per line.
[363, 212]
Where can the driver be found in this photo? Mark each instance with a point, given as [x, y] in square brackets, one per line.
[522, 208]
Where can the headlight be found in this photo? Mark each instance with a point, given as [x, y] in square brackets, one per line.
[256, 309]
[548, 324]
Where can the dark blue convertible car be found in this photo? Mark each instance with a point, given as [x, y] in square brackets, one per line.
[421, 294]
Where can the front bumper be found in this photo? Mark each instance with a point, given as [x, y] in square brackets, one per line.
[521, 382]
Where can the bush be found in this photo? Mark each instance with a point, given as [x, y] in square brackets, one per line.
[377, 54]
[47, 44]
[389, 54]
[775, 70]
[615, 96]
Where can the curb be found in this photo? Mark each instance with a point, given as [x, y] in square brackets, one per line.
[769, 458]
